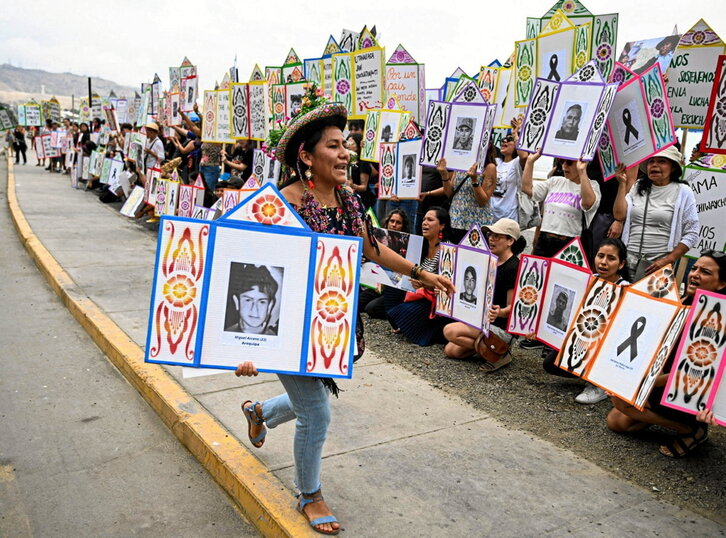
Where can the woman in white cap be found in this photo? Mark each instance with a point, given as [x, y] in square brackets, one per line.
[658, 212]
[506, 242]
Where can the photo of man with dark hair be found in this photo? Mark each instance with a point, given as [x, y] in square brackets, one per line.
[464, 135]
[469, 294]
[252, 296]
[570, 126]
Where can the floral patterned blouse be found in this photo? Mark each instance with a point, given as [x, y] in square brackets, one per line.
[465, 211]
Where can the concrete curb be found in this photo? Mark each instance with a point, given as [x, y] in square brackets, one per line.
[261, 496]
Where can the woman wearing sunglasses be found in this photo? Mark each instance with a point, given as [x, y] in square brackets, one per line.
[569, 203]
[503, 202]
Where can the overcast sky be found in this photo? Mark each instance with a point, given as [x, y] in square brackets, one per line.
[126, 42]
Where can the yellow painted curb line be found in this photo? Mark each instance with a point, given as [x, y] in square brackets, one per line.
[261, 496]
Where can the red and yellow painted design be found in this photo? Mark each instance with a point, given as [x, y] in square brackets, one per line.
[268, 209]
[179, 282]
[331, 325]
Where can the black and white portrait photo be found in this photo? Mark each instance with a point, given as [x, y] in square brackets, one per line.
[253, 298]
[409, 174]
[570, 122]
[468, 296]
[464, 135]
[387, 133]
[295, 105]
[560, 307]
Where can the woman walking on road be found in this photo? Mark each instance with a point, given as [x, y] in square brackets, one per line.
[313, 146]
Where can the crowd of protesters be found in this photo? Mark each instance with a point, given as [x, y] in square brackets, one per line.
[630, 227]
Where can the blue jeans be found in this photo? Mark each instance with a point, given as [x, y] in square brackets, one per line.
[306, 399]
[210, 174]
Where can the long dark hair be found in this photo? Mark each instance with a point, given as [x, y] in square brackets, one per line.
[358, 137]
[518, 246]
[622, 250]
[644, 184]
[406, 224]
[444, 219]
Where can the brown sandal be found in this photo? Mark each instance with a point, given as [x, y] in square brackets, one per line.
[253, 419]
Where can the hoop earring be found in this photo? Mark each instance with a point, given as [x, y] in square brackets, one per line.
[309, 177]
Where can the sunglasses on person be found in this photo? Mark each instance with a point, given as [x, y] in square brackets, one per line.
[507, 139]
[715, 254]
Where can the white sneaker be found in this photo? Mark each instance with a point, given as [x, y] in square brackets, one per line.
[591, 395]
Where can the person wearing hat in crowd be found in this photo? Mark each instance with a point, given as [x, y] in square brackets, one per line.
[312, 145]
[505, 242]
[154, 149]
[666, 48]
[658, 213]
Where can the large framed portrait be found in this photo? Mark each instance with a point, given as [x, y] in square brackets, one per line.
[222, 295]
[454, 131]
[565, 287]
[469, 269]
[566, 119]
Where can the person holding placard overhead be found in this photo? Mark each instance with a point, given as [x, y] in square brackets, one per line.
[312, 145]
[569, 203]
[504, 203]
[658, 212]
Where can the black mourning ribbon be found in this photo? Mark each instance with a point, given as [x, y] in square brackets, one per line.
[628, 120]
[632, 341]
[554, 75]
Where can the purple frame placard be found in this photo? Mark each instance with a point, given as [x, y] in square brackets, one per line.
[484, 280]
[578, 300]
[551, 117]
[693, 342]
[475, 143]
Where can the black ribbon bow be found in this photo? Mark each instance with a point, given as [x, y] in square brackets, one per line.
[629, 129]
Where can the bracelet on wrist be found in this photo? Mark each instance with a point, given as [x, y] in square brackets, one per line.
[415, 271]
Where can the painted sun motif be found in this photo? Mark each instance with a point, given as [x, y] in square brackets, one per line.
[528, 295]
[660, 283]
[179, 290]
[702, 353]
[591, 323]
[332, 306]
[268, 209]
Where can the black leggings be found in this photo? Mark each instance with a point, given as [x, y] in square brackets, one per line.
[548, 363]
[18, 151]
[548, 245]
